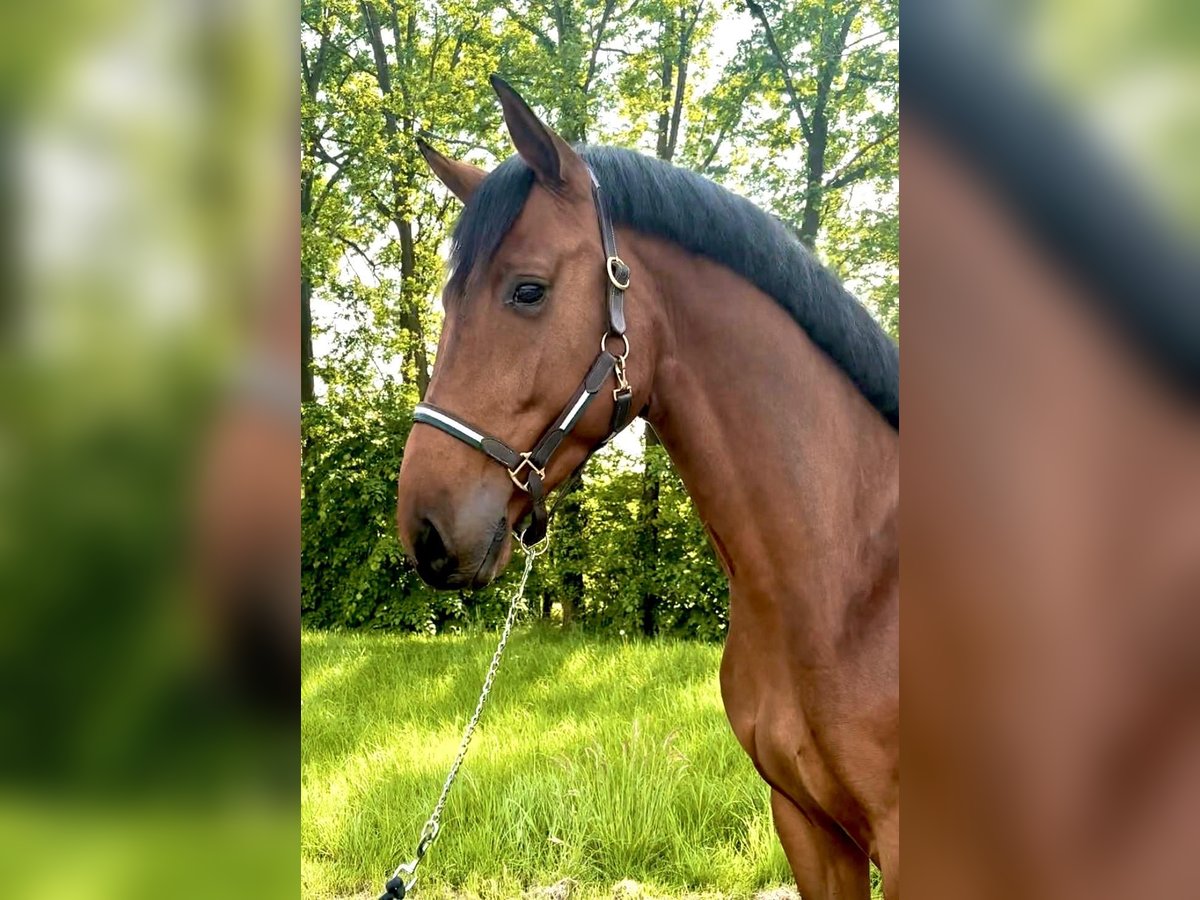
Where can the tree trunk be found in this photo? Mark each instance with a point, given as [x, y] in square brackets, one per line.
[647, 526]
[410, 311]
[681, 69]
[306, 345]
[832, 48]
[307, 393]
[662, 151]
[418, 355]
[814, 199]
[814, 182]
[571, 551]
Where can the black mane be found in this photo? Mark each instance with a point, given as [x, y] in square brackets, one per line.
[659, 199]
[960, 83]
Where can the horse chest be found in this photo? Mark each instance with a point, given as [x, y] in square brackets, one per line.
[766, 710]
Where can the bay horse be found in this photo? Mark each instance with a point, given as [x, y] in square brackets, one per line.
[1052, 466]
[776, 396]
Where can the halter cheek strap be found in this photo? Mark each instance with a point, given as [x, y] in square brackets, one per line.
[528, 470]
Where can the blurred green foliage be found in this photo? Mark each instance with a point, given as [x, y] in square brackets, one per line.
[147, 175]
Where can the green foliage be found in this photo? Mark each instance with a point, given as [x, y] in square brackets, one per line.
[805, 121]
[352, 573]
[353, 570]
[690, 591]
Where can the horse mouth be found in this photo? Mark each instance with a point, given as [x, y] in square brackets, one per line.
[489, 567]
[442, 574]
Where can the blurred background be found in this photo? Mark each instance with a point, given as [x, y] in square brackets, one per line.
[148, 731]
[1051, 452]
[1127, 72]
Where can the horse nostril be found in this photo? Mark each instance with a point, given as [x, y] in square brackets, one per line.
[433, 560]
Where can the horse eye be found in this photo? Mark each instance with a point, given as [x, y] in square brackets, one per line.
[528, 294]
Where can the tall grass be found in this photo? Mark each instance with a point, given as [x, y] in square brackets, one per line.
[598, 761]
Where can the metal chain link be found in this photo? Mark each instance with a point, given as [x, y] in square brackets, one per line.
[516, 604]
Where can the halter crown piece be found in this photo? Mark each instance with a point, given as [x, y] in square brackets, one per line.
[528, 470]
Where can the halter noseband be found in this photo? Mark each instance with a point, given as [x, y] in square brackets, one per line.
[528, 470]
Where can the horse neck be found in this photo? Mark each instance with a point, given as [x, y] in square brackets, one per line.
[794, 474]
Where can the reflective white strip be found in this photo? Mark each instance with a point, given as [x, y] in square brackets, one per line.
[566, 425]
[456, 425]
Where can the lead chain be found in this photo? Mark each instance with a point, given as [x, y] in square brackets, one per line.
[404, 877]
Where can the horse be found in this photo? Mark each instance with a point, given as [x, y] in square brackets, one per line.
[776, 396]
[1052, 531]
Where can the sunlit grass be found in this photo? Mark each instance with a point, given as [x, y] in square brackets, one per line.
[597, 761]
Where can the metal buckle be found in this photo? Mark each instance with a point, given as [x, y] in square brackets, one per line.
[428, 835]
[608, 266]
[619, 367]
[513, 473]
[604, 346]
[536, 549]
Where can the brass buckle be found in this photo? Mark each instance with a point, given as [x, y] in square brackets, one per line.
[612, 275]
[619, 372]
[513, 473]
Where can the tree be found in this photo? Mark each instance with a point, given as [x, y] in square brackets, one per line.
[402, 69]
[323, 65]
[568, 56]
[836, 64]
[654, 86]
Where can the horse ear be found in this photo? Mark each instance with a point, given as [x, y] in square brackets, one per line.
[462, 178]
[551, 158]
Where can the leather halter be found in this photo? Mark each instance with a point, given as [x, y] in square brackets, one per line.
[528, 470]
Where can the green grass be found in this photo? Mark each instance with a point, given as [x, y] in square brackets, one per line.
[596, 760]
